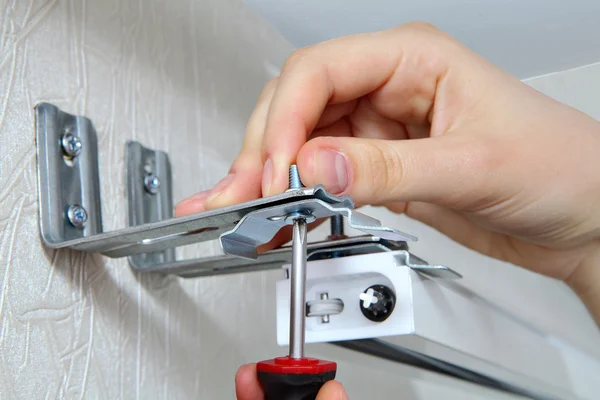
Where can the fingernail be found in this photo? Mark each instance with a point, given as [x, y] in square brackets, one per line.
[220, 187]
[331, 169]
[267, 177]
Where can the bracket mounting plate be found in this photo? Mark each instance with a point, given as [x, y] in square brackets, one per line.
[145, 206]
[64, 181]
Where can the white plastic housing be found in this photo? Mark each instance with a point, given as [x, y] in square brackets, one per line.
[442, 319]
[346, 278]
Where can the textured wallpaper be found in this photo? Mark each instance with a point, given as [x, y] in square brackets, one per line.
[177, 75]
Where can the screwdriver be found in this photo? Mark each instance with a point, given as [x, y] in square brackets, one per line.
[295, 377]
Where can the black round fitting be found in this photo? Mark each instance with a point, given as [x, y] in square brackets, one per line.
[380, 310]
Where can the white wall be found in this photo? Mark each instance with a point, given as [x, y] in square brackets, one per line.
[527, 38]
[181, 76]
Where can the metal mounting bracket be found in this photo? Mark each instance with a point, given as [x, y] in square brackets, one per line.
[149, 197]
[67, 175]
[70, 216]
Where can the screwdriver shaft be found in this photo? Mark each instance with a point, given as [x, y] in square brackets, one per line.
[298, 289]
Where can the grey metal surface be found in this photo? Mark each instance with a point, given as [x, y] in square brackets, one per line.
[273, 259]
[64, 180]
[260, 226]
[298, 288]
[68, 175]
[177, 231]
[388, 351]
[421, 266]
[148, 202]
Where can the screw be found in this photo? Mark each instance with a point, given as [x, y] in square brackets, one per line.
[295, 182]
[77, 215]
[325, 318]
[302, 214]
[377, 302]
[71, 145]
[337, 231]
[152, 183]
[337, 225]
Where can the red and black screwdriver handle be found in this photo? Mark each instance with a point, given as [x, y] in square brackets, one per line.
[286, 378]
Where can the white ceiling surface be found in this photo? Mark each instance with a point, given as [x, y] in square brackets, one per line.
[525, 37]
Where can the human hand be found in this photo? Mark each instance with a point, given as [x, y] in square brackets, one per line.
[248, 388]
[411, 119]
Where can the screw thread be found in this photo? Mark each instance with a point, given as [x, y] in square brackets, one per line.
[295, 182]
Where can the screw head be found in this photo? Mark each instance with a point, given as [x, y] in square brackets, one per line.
[152, 183]
[377, 303]
[305, 215]
[71, 145]
[77, 215]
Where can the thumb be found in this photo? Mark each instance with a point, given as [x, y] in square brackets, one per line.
[440, 170]
[332, 390]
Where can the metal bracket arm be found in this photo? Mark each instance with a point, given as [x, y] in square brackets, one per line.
[69, 202]
[275, 259]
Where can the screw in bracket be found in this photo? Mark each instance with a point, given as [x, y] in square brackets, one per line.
[377, 303]
[151, 183]
[295, 183]
[71, 145]
[77, 215]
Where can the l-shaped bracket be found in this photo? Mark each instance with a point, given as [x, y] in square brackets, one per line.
[70, 208]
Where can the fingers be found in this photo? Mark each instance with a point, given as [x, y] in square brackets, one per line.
[438, 170]
[191, 205]
[244, 180]
[332, 390]
[340, 71]
[458, 227]
[246, 384]
[451, 223]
